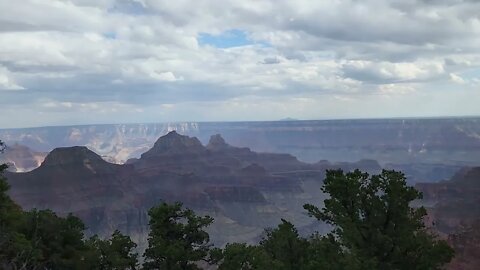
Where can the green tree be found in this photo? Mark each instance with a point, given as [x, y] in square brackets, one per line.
[374, 223]
[325, 253]
[283, 244]
[177, 239]
[240, 256]
[55, 242]
[116, 253]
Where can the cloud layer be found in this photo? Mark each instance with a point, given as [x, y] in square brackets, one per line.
[98, 61]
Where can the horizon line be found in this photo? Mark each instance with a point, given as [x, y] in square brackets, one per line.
[286, 119]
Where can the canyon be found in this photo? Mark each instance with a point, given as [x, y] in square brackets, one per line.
[110, 175]
[244, 191]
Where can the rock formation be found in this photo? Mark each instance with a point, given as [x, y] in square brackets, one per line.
[21, 158]
[243, 190]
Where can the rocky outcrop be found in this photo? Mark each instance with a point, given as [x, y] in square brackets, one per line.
[21, 158]
[72, 156]
[174, 143]
[217, 143]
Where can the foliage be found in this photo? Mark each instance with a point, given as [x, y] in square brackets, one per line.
[374, 223]
[114, 253]
[324, 252]
[177, 239]
[240, 256]
[55, 242]
[284, 245]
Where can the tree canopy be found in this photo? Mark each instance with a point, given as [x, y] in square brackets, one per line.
[375, 224]
[177, 239]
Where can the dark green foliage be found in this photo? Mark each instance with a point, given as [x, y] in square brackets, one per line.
[284, 245]
[238, 256]
[375, 225]
[114, 253]
[325, 253]
[282, 248]
[177, 239]
[55, 242]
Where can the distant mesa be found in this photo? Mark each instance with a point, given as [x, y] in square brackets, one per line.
[71, 155]
[217, 143]
[324, 163]
[174, 143]
[288, 119]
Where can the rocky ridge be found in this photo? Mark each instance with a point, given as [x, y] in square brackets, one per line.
[243, 190]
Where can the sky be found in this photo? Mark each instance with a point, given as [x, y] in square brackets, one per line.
[133, 61]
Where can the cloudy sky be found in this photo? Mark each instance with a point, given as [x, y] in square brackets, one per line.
[105, 61]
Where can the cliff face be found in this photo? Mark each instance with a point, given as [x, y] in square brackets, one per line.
[455, 202]
[455, 212]
[21, 158]
[466, 242]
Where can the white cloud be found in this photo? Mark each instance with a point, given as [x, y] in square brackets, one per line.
[395, 89]
[456, 79]
[141, 53]
[385, 72]
[7, 82]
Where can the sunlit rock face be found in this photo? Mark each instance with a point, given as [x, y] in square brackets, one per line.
[243, 190]
[21, 158]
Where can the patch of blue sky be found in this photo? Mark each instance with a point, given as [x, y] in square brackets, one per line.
[110, 35]
[229, 39]
[473, 73]
[129, 7]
